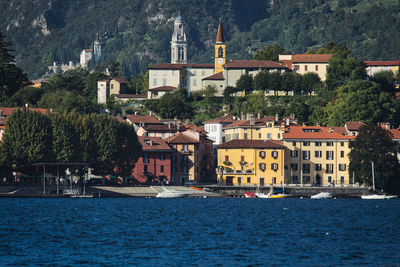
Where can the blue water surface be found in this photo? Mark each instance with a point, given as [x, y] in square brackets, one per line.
[201, 232]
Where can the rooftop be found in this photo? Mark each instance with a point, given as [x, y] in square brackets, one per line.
[181, 138]
[145, 119]
[224, 119]
[313, 132]
[311, 58]
[382, 63]
[153, 144]
[218, 76]
[180, 66]
[253, 64]
[163, 88]
[242, 143]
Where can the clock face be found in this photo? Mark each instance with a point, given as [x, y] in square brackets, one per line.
[220, 60]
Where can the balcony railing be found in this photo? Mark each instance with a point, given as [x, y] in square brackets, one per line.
[238, 172]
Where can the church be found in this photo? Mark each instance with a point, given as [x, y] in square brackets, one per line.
[167, 77]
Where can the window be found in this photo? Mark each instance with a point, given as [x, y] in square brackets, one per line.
[318, 143]
[248, 180]
[259, 135]
[245, 136]
[329, 168]
[293, 166]
[329, 143]
[342, 179]
[306, 179]
[145, 157]
[293, 153]
[306, 155]
[318, 167]
[154, 82]
[306, 143]
[293, 143]
[194, 82]
[329, 155]
[342, 154]
[316, 67]
[297, 67]
[220, 52]
[274, 180]
[342, 167]
[279, 136]
[162, 156]
[341, 143]
[145, 168]
[262, 154]
[164, 82]
[306, 67]
[274, 154]
[318, 154]
[274, 166]
[162, 168]
[306, 168]
[329, 179]
[269, 136]
[262, 166]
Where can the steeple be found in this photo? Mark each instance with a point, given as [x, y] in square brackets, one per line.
[220, 55]
[97, 49]
[220, 33]
[178, 43]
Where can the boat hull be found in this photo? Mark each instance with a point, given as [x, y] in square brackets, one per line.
[375, 196]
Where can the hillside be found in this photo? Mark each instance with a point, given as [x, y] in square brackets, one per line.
[137, 33]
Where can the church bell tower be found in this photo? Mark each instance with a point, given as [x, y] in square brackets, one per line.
[220, 55]
[178, 43]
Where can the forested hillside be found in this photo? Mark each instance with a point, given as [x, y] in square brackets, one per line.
[137, 33]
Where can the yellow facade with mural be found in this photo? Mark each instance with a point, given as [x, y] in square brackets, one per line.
[250, 162]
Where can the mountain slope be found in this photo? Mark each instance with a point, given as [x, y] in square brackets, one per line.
[137, 33]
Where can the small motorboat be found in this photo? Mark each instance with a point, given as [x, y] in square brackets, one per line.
[249, 195]
[165, 193]
[377, 196]
[322, 195]
[269, 195]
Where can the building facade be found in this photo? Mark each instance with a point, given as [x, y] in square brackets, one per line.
[178, 43]
[307, 63]
[251, 162]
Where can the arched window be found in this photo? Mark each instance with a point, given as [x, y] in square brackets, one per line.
[220, 52]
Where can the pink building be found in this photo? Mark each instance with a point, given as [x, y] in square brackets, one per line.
[154, 165]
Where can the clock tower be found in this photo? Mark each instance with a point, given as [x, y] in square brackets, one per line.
[220, 56]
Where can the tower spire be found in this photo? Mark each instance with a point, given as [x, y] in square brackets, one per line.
[220, 55]
[220, 33]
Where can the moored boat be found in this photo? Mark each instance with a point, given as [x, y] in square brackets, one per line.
[322, 195]
[165, 193]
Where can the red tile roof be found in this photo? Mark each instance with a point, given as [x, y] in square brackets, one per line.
[153, 144]
[353, 125]
[160, 128]
[120, 80]
[146, 119]
[163, 88]
[181, 138]
[198, 129]
[395, 133]
[311, 58]
[220, 33]
[88, 50]
[253, 64]
[242, 143]
[172, 66]
[218, 76]
[313, 132]
[224, 119]
[382, 63]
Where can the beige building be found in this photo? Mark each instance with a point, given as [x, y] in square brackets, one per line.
[107, 88]
[373, 67]
[233, 69]
[307, 63]
[316, 155]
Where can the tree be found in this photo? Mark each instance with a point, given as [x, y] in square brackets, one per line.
[114, 69]
[309, 81]
[270, 52]
[375, 144]
[11, 77]
[362, 101]
[386, 79]
[245, 83]
[65, 139]
[27, 139]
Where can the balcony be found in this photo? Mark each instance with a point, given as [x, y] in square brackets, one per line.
[228, 171]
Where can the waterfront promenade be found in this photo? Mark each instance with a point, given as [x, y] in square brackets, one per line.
[151, 191]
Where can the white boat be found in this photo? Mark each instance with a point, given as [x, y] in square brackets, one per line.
[322, 195]
[375, 195]
[165, 193]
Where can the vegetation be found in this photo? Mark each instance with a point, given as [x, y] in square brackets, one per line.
[43, 33]
[106, 144]
[375, 144]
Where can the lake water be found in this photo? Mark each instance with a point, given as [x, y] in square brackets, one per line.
[205, 232]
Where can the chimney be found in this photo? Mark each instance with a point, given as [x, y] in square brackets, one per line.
[318, 124]
[276, 117]
[252, 121]
[151, 142]
[135, 113]
[330, 130]
[303, 124]
[387, 126]
[151, 113]
[287, 121]
[169, 125]
[27, 105]
[70, 63]
[54, 64]
[258, 116]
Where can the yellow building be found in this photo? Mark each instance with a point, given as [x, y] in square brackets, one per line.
[317, 155]
[220, 53]
[266, 128]
[251, 162]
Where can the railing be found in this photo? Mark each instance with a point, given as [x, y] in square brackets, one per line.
[238, 172]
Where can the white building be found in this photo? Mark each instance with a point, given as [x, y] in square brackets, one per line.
[178, 43]
[86, 56]
[214, 128]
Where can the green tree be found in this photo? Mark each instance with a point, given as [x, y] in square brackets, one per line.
[309, 81]
[245, 83]
[375, 144]
[270, 52]
[386, 79]
[362, 101]
[65, 139]
[11, 77]
[114, 69]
